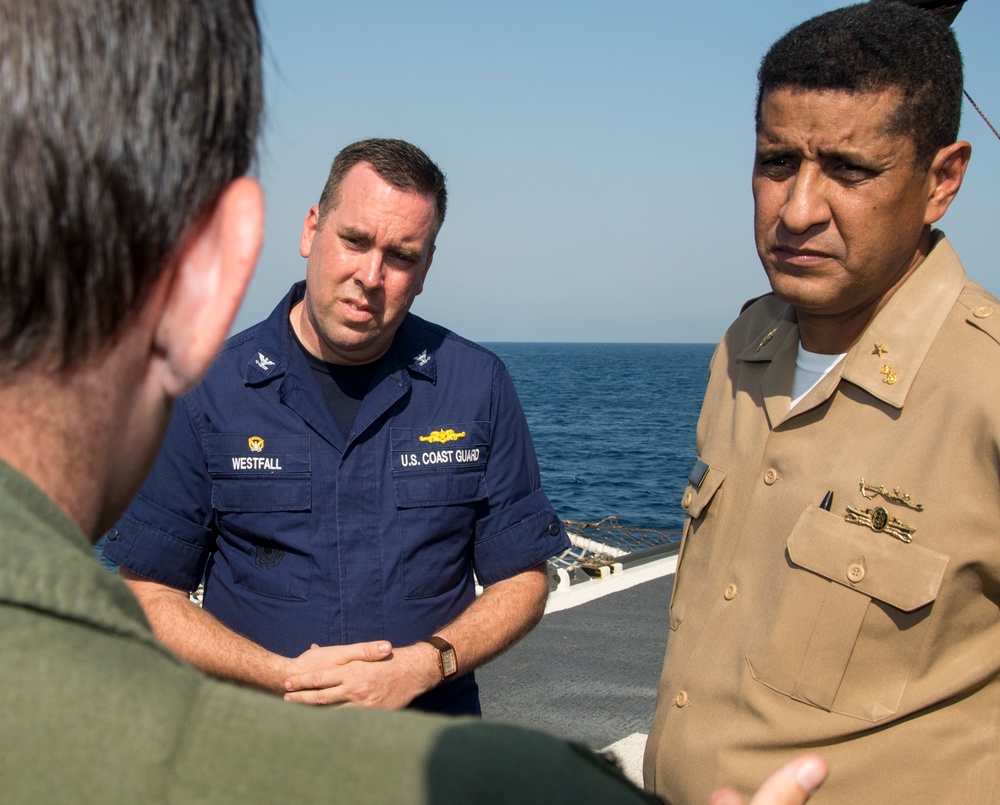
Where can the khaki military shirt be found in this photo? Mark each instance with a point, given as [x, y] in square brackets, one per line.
[794, 628]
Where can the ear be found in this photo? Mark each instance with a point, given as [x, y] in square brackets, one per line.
[207, 284]
[309, 227]
[945, 178]
[423, 276]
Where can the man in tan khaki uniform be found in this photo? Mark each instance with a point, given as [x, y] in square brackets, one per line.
[839, 579]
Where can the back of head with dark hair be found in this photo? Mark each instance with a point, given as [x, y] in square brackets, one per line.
[871, 47]
[123, 121]
[398, 162]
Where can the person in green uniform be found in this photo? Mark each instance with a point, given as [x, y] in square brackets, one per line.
[128, 233]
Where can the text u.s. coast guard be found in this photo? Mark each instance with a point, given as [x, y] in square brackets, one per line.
[439, 457]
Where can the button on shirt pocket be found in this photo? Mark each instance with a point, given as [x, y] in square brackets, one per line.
[439, 480]
[848, 617]
[262, 493]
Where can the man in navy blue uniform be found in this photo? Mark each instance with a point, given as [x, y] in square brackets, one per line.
[340, 473]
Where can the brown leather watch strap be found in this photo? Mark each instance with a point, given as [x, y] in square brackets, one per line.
[447, 656]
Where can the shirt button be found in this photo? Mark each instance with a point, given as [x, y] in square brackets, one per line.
[855, 573]
[770, 476]
[554, 528]
[113, 534]
[731, 592]
[681, 699]
[688, 497]
[983, 312]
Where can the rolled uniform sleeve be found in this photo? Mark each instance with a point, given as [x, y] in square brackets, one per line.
[521, 529]
[166, 533]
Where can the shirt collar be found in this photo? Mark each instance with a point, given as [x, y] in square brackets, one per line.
[885, 360]
[271, 348]
[902, 332]
[412, 349]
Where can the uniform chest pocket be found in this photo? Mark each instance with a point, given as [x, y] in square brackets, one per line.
[262, 496]
[847, 623]
[699, 502]
[439, 483]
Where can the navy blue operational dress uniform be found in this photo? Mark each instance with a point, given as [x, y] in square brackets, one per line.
[305, 534]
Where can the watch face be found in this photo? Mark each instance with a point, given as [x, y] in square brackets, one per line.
[448, 662]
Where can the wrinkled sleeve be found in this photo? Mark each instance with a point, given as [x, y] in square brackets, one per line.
[520, 529]
[166, 533]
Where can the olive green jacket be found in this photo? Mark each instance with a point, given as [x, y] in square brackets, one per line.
[94, 709]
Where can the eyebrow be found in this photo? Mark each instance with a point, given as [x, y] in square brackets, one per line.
[358, 234]
[406, 251]
[353, 232]
[849, 155]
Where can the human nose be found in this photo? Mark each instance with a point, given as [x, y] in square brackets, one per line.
[806, 205]
[369, 272]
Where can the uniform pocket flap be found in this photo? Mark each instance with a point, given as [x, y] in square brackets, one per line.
[905, 576]
[276, 494]
[444, 488]
[696, 498]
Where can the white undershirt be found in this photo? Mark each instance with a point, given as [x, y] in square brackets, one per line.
[810, 368]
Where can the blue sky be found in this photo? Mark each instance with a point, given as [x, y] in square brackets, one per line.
[598, 154]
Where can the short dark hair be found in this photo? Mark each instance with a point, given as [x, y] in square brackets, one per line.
[123, 121]
[398, 162]
[872, 47]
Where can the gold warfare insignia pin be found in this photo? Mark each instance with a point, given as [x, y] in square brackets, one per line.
[879, 520]
[256, 444]
[443, 436]
[869, 491]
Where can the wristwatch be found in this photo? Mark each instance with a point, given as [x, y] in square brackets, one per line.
[447, 660]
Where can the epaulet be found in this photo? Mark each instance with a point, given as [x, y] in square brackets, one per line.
[751, 301]
[983, 310]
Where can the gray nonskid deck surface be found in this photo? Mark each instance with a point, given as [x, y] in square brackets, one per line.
[589, 673]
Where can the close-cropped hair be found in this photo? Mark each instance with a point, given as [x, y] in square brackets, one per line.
[872, 47]
[123, 121]
[398, 162]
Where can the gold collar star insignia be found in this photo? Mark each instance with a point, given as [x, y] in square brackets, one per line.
[879, 350]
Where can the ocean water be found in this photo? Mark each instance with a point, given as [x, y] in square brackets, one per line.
[613, 424]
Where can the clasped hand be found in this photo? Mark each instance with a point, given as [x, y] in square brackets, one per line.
[369, 674]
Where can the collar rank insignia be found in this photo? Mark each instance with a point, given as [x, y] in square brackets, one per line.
[443, 436]
[889, 375]
[765, 339]
[422, 359]
[263, 362]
